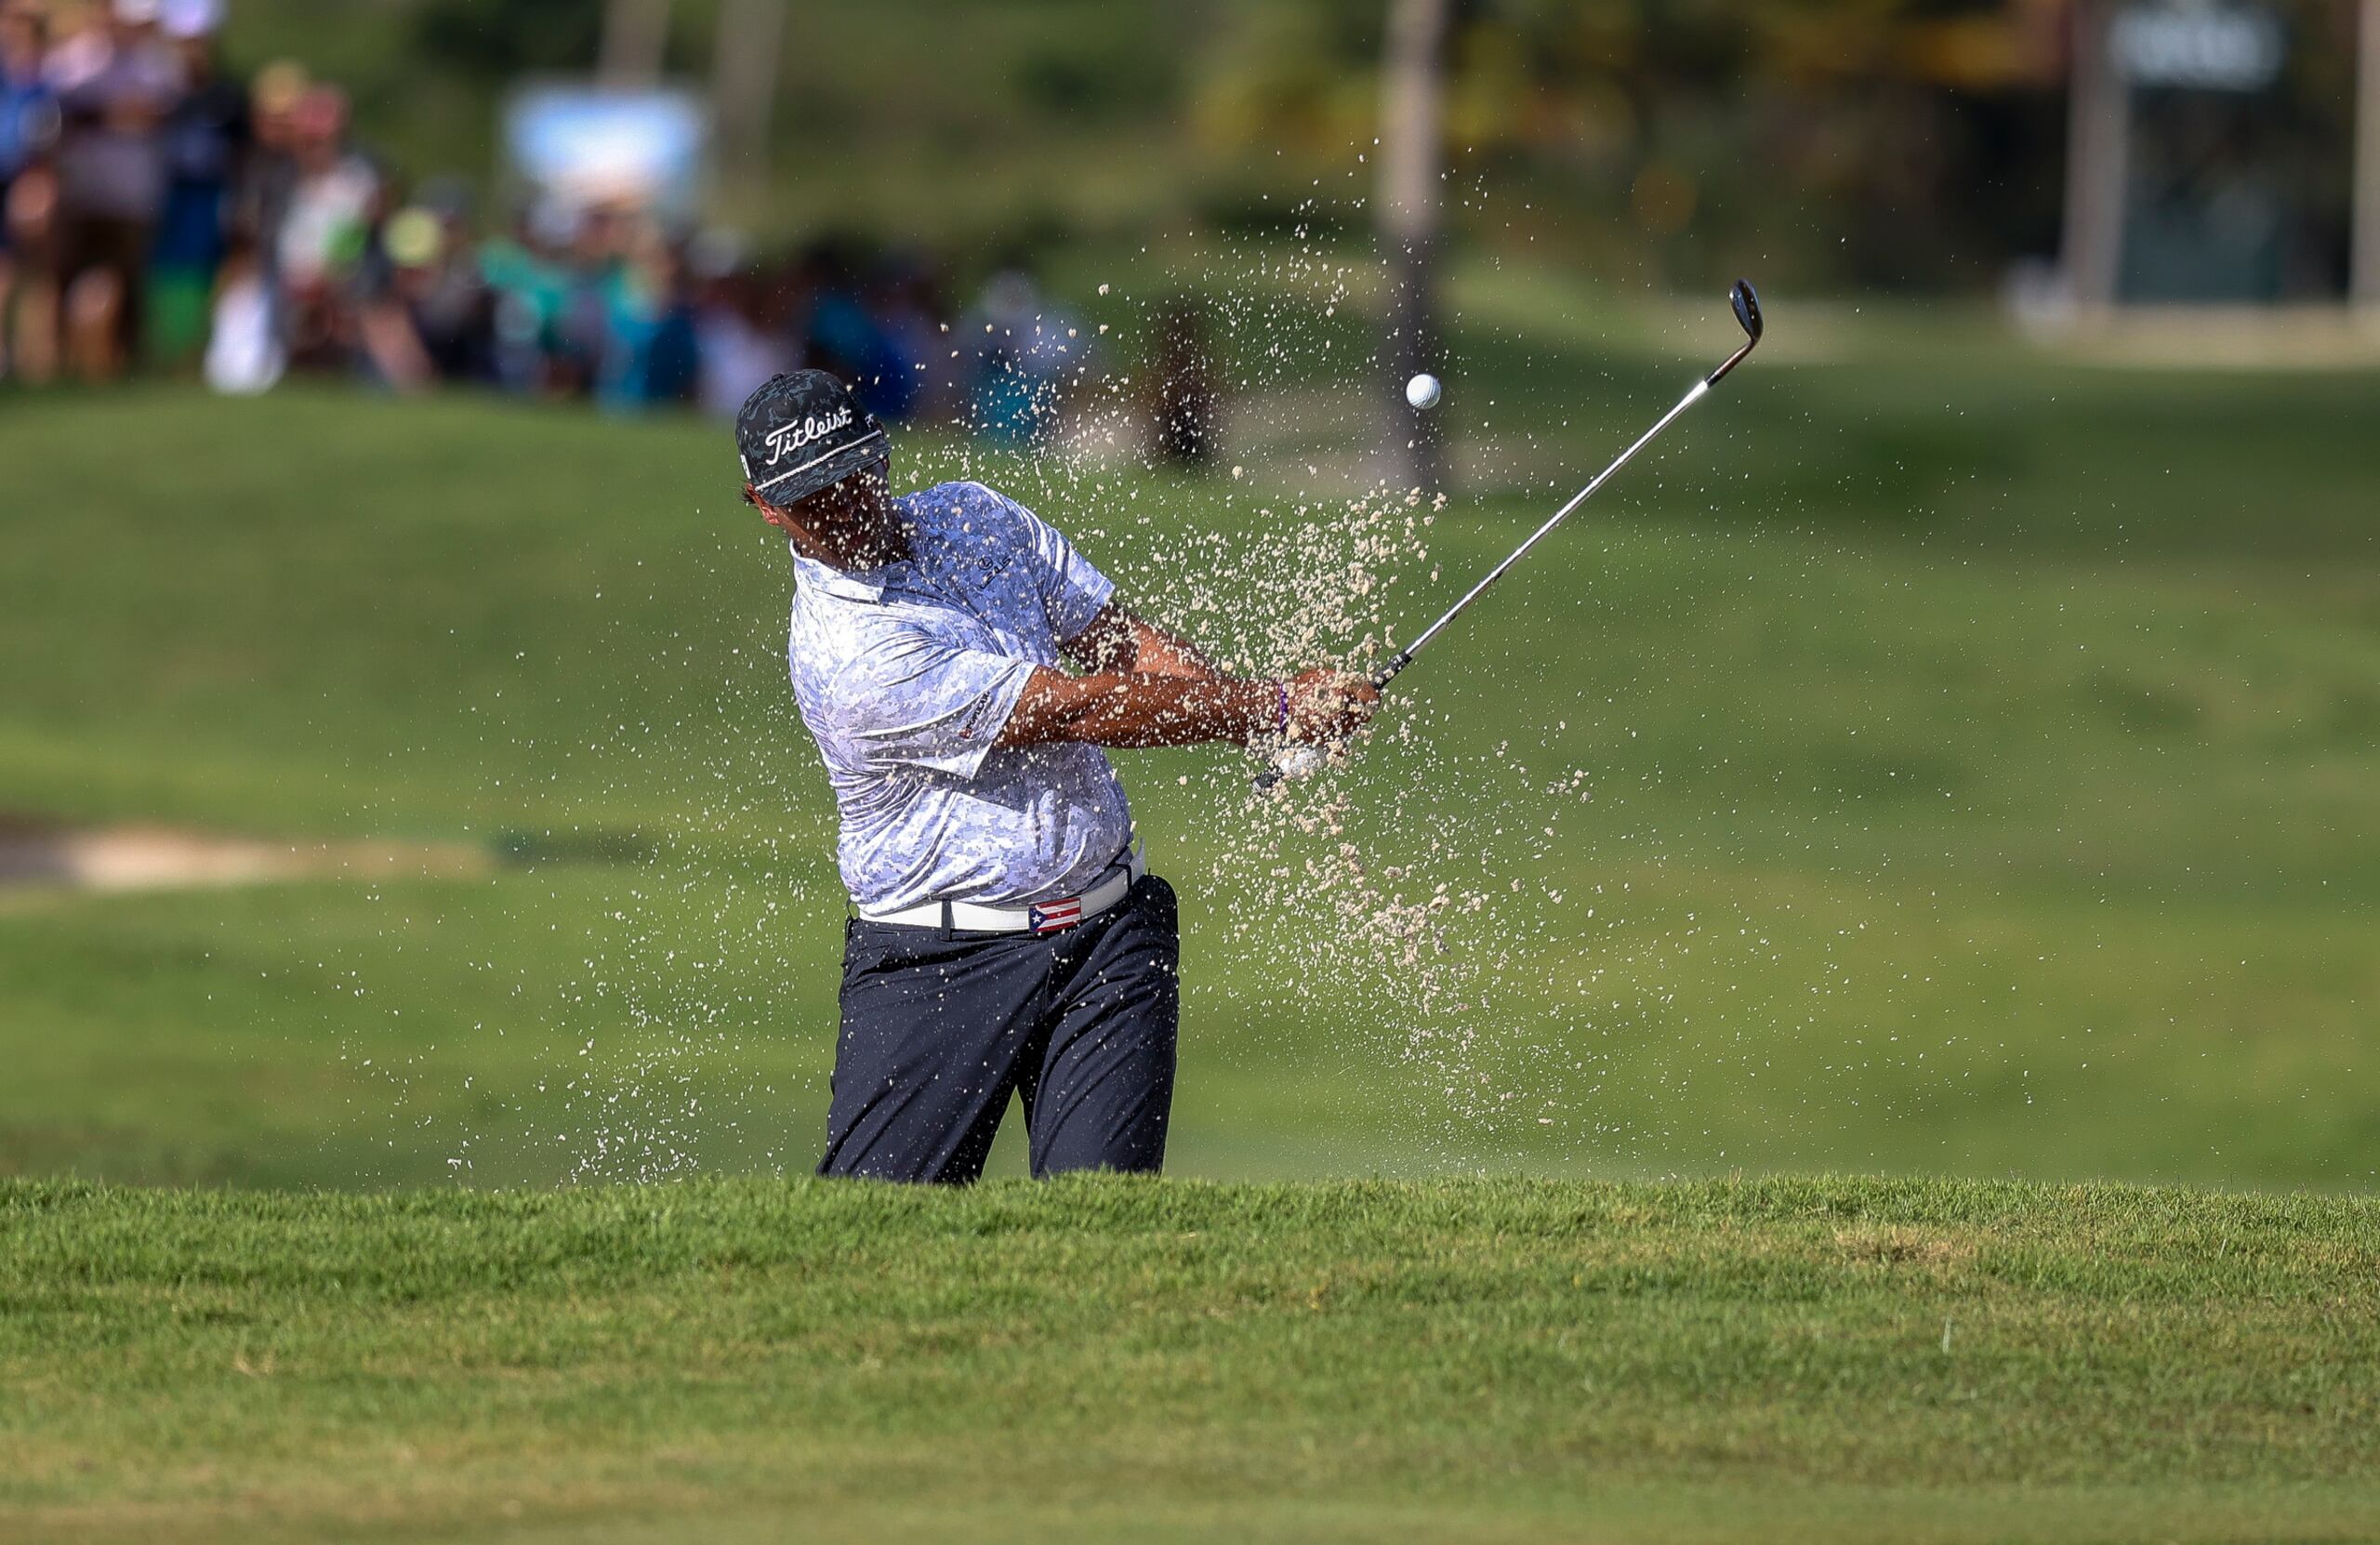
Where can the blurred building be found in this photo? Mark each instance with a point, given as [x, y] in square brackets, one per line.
[2187, 176]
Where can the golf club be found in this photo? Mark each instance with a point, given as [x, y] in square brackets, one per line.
[1747, 305]
[1299, 760]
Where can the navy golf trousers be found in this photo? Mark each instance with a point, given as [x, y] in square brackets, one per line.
[939, 1028]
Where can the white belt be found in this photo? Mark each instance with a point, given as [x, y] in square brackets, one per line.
[1047, 916]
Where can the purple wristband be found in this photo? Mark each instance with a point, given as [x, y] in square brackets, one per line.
[1282, 688]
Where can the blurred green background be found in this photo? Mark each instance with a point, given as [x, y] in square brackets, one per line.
[1902, 144]
[1981, 748]
[1949, 753]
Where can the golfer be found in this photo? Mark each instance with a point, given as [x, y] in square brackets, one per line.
[960, 667]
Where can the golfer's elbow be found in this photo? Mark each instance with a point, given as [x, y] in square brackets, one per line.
[1059, 708]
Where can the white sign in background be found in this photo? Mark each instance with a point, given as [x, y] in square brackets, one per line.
[2204, 47]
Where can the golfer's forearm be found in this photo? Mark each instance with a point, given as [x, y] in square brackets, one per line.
[1161, 651]
[1119, 643]
[1130, 709]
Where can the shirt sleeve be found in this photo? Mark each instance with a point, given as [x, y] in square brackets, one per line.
[917, 701]
[1072, 590]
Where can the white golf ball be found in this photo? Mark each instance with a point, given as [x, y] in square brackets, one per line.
[1422, 391]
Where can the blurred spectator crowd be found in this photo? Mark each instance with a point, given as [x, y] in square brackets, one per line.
[162, 216]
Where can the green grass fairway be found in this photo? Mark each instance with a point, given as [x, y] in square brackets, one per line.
[1846, 1360]
[1983, 751]
[1931, 763]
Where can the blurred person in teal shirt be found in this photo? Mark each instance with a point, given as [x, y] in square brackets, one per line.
[650, 348]
[530, 290]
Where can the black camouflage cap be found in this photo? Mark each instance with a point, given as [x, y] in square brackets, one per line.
[804, 431]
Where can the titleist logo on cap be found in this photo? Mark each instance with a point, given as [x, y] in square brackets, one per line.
[788, 438]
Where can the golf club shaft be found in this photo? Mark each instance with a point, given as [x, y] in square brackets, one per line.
[1404, 657]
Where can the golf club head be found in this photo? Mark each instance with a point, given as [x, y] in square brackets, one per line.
[1746, 301]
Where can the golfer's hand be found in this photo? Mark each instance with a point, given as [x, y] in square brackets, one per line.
[1329, 707]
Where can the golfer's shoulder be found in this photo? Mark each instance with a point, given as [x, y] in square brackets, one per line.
[972, 514]
[965, 496]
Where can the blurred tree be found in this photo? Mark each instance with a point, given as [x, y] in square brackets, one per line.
[2365, 257]
[636, 40]
[2098, 120]
[747, 64]
[1826, 142]
[1412, 158]
[497, 42]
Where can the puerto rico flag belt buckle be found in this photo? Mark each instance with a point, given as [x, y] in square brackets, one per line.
[1054, 915]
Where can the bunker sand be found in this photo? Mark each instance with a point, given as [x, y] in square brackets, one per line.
[148, 857]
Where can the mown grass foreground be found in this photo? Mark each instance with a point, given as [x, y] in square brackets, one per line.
[1479, 1360]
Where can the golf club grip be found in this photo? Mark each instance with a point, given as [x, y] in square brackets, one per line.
[1387, 673]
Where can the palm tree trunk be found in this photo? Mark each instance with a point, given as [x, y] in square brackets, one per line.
[2098, 124]
[636, 37]
[747, 66]
[1411, 155]
[2366, 282]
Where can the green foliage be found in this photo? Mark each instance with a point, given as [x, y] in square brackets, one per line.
[1898, 144]
[497, 43]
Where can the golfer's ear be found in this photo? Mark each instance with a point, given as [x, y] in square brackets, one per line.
[768, 513]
